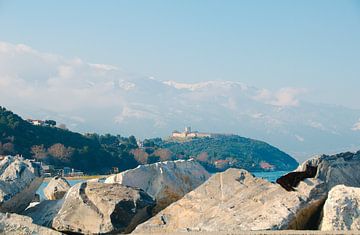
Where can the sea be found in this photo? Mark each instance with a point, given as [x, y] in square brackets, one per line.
[270, 176]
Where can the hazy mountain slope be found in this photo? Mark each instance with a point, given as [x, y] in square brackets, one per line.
[103, 98]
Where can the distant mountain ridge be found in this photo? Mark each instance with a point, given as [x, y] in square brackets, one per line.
[103, 98]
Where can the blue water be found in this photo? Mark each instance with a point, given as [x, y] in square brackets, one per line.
[40, 190]
[270, 176]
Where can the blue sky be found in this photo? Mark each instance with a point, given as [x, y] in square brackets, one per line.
[313, 45]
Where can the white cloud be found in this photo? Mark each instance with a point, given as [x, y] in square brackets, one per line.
[284, 97]
[206, 85]
[287, 97]
[356, 126]
[299, 138]
[37, 80]
[105, 67]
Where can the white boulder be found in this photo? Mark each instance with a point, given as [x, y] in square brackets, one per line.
[19, 180]
[167, 181]
[93, 208]
[342, 209]
[56, 188]
[13, 224]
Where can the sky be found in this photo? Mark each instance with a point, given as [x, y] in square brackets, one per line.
[308, 45]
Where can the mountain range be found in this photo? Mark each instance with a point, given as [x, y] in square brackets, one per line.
[102, 98]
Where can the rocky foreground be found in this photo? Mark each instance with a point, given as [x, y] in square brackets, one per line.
[180, 196]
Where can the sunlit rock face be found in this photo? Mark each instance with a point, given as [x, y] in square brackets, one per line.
[342, 209]
[235, 200]
[19, 180]
[97, 208]
[13, 224]
[167, 181]
[56, 188]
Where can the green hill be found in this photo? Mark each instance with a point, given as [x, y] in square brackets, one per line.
[223, 151]
[98, 154]
[92, 154]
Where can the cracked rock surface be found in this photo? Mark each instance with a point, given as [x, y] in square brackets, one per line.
[13, 224]
[235, 200]
[19, 180]
[56, 188]
[92, 208]
[166, 181]
[342, 209]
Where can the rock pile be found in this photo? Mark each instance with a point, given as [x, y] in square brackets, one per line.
[235, 200]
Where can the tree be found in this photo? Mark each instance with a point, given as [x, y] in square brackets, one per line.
[132, 141]
[61, 152]
[50, 122]
[39, 152]
[7, 148]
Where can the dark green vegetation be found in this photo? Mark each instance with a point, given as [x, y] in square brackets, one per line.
[223, 151]
[98, 154]
[90, 153]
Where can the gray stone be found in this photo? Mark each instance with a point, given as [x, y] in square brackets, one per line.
[56, 188]
[343, 168]
[19, 180]
[44, 212]
[342, 209]
[166, 181]
[13, 224]
[92, 207]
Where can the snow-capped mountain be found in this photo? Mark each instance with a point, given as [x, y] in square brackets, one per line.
[102, 98]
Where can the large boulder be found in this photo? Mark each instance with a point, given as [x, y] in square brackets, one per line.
[342, 168]
[235, 200]
[56, 188]
[342, 209]
[13, 224]
[167, 181]
[92, 208]
[19, 180]
[44, 212]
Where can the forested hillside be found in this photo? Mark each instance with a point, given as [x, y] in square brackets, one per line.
[95, 154]
[223, 151]
[91, 153]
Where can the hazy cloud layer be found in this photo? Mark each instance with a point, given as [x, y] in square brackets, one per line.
[99, 97]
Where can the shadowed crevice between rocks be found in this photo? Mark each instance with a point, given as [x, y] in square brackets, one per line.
[309, 218]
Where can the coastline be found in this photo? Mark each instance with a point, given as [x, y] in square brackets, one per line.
[85, 177]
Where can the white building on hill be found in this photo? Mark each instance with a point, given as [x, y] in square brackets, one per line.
[187, 133]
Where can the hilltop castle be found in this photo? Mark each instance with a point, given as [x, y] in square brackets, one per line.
[187, 133]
